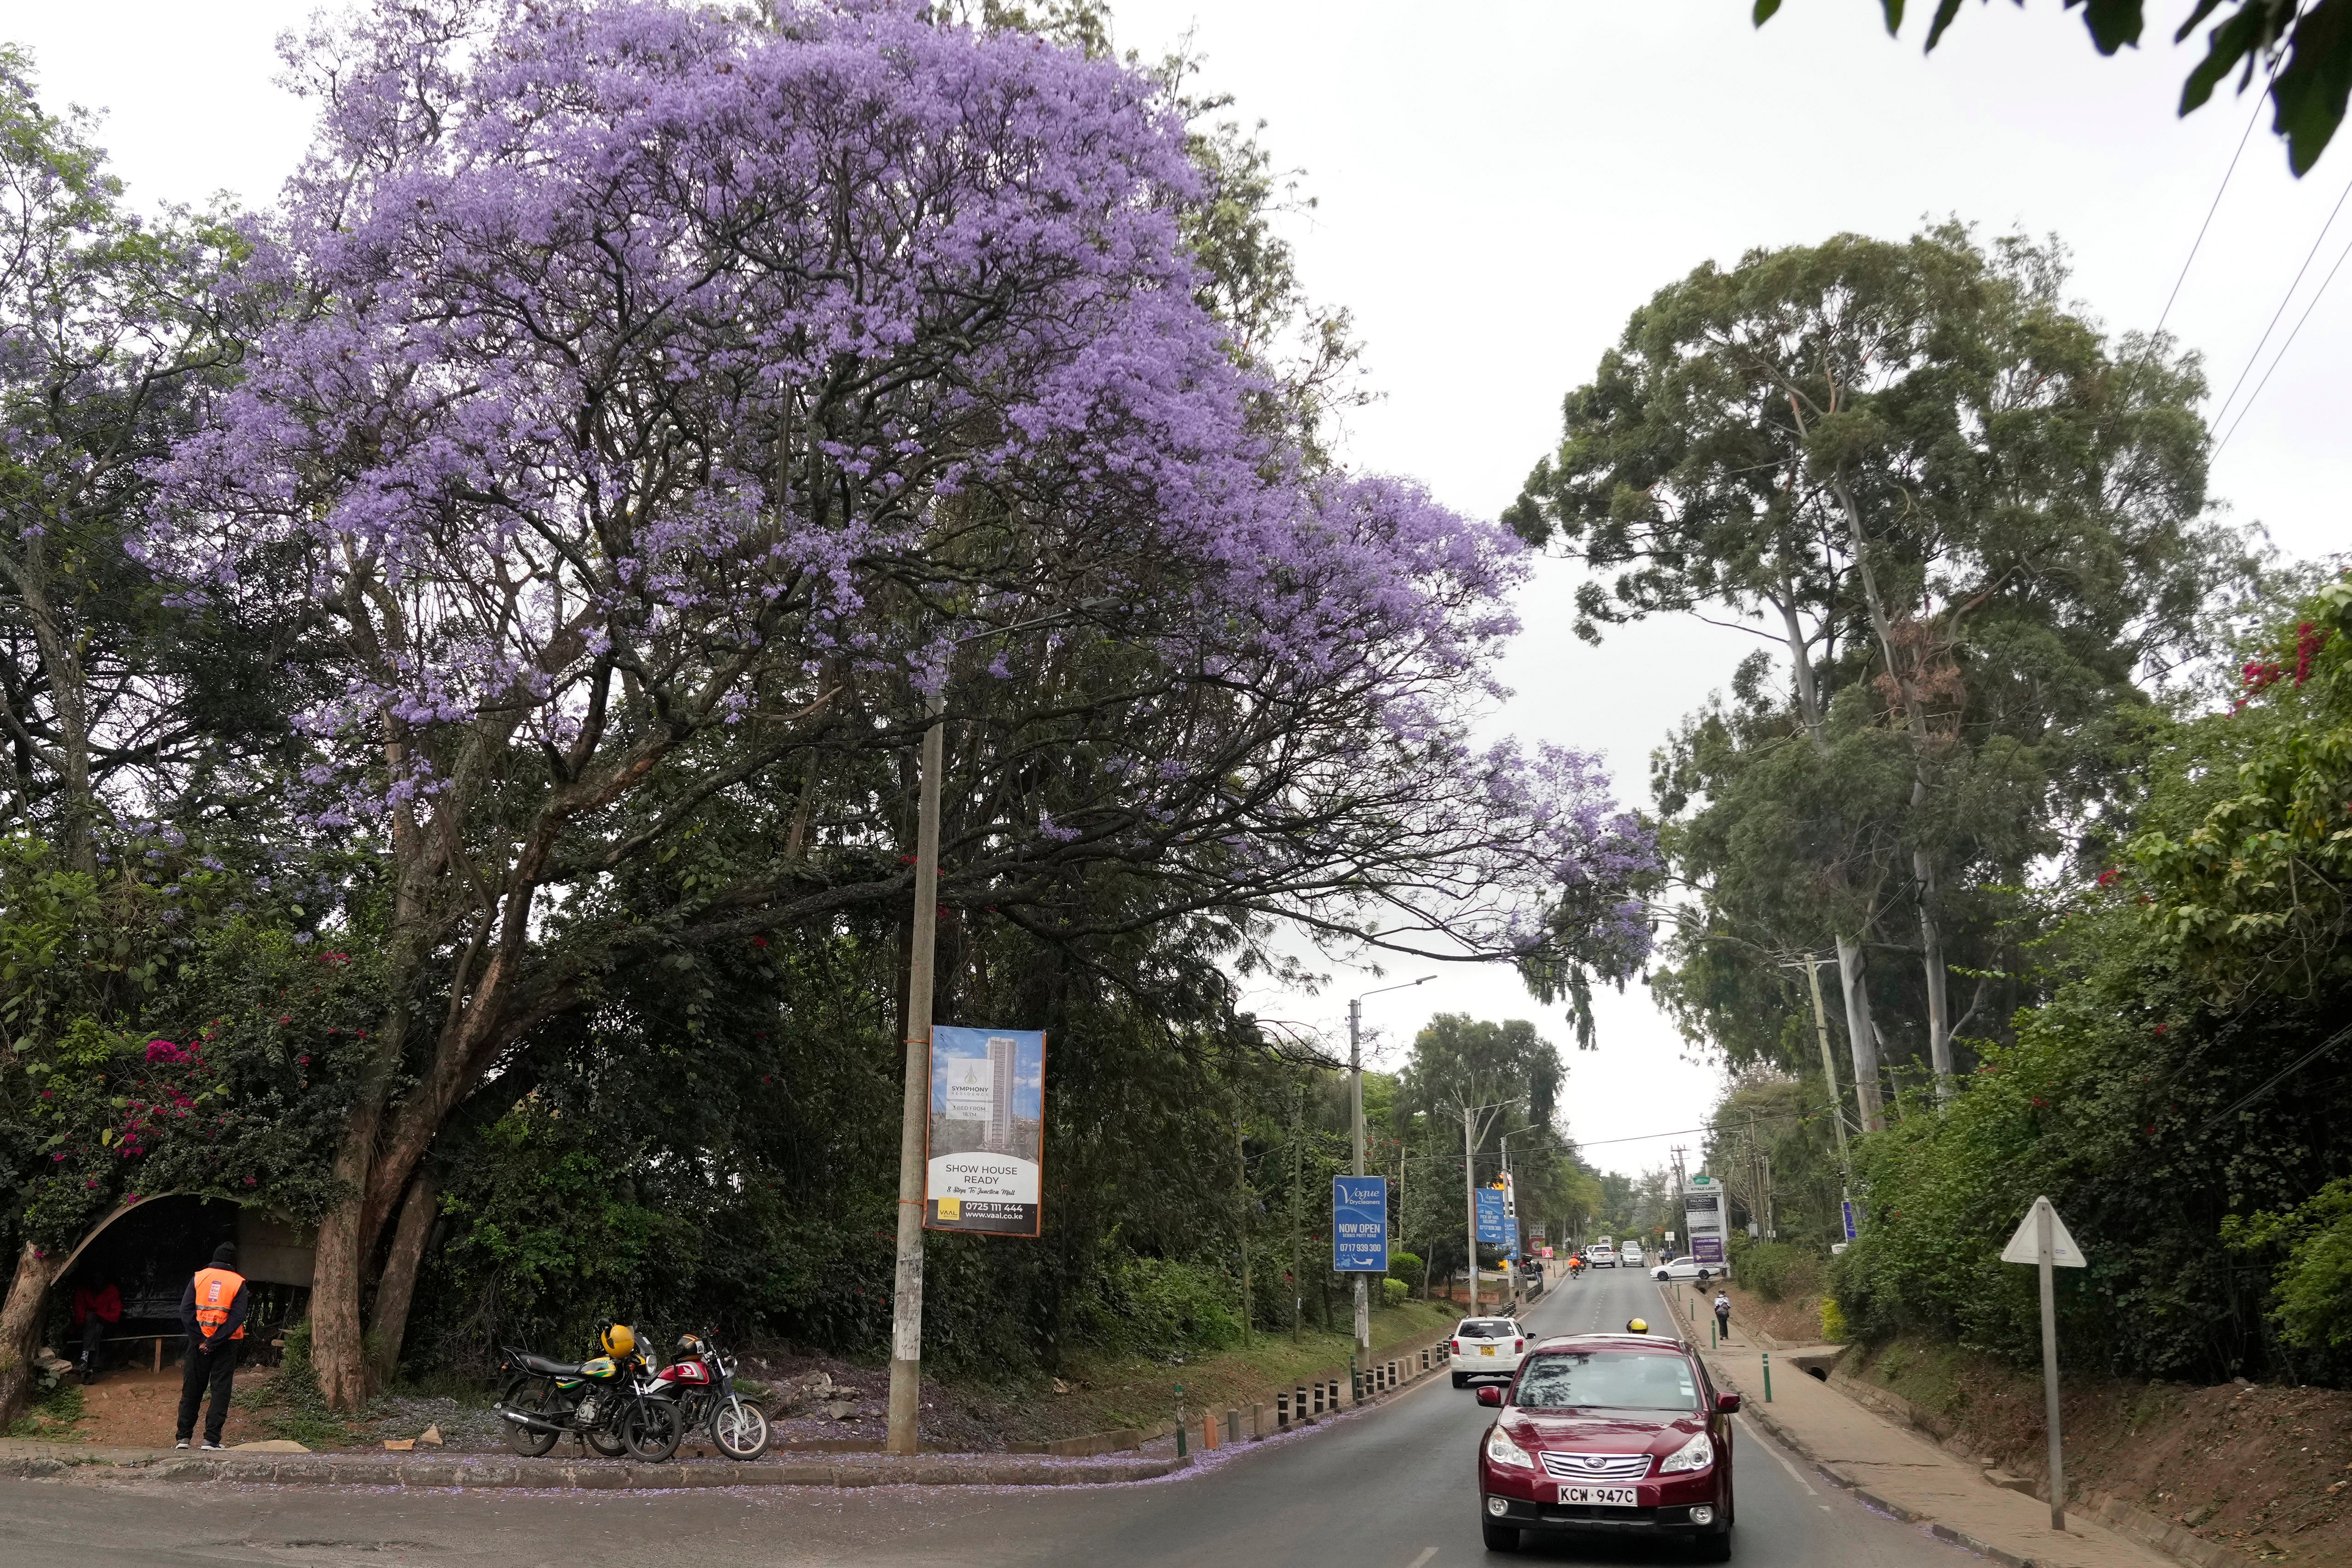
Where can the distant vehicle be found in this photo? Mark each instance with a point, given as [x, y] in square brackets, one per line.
[1631, 1255]
[1487, 1347]
[1679, 1269]
[1601, 1255]
[1610, 1435]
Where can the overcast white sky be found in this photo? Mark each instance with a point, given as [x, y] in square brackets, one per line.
[1498, 187]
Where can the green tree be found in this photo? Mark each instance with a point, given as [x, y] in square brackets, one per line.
[2308, 48]
[1969, 522]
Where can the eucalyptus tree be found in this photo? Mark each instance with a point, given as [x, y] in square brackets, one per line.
[1957, 508]
[659, 399]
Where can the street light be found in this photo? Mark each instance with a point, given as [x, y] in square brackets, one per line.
[1355, 1115]
[907, 1296]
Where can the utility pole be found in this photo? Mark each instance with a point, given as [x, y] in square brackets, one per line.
[1470, 1204]
[1241, 1221]
[907, 1299]
[1356, 1116]
[1297, 1278]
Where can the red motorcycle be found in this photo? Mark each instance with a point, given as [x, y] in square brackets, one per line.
[702, 1382]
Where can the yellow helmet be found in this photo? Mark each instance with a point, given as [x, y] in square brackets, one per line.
[620, 1339]
[1637, 1326]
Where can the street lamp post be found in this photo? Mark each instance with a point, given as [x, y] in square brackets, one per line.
[1355, 1117]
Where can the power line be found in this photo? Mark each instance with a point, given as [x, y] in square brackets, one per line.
[2284, 299]
[2243, 138]
[2251, 396]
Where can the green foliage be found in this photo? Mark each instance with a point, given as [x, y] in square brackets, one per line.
[1394, 1292]
[173, 1026]
[2307, 92]
[2311, 1245]
[289, 1403]
[1777, 1271]
[1163, 1309]
[1405, 1266]
[2174, 1092]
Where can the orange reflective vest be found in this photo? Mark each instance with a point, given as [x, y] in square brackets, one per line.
[217, 1291]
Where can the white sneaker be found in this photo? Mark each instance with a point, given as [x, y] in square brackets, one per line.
[181, 1444]
[212, 1448]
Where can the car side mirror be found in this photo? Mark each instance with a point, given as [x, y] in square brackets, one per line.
[1490, 1395]
[1727, 1403]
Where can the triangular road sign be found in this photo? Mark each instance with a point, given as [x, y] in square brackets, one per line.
[2025, 1247]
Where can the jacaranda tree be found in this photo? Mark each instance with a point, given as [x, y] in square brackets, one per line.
[659, 398]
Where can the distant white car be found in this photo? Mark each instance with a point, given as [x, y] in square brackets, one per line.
[1688, 1268]
[1487, 1347]
[1630, 1256]
[1601, 1256]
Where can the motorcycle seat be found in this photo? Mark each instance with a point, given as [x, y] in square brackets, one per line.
[541, 1366]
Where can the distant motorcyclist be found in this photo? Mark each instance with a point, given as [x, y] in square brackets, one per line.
[1636, 1326]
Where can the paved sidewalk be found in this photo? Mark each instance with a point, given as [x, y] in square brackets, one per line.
[1856, 1448]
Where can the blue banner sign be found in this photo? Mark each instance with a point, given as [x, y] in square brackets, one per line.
[1846, 1209]
[1360, 1225]
[1494, 1218]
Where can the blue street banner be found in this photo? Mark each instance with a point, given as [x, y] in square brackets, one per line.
[986, 1139]
[1360, 1225]
[1845, 1207]
[1494, 1218]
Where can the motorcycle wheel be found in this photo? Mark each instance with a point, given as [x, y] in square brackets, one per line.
[740, 1428]
[520, 1395]
[652, 1428]
[607, 1442]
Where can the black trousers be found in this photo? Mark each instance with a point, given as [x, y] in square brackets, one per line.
[217, 1369]
[93, 1331]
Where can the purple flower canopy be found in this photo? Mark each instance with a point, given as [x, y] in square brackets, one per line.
[633, 338]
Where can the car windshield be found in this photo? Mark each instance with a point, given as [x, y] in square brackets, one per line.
[1484, 1329]
[1615, 1380]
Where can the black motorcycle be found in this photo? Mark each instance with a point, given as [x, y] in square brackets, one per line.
[606, 1402]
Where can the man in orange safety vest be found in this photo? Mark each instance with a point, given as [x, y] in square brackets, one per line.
[212, 1313]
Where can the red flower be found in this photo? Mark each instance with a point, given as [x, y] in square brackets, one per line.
[2107, 877]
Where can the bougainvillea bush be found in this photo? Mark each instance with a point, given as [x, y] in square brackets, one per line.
[172, 1029]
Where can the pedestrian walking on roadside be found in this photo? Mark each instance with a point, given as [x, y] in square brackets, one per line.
[212, 1314]
[1722, 1314]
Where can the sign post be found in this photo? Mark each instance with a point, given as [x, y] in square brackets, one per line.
[2042, 1240]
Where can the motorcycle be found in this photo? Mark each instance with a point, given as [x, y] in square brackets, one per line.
[607, 1401]
[702, 1382]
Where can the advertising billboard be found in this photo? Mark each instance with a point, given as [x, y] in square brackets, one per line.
[985, 1144]
[1360, 1225]
[1703, 1216]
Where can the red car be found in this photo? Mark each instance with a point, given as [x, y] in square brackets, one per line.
[1608, 1434]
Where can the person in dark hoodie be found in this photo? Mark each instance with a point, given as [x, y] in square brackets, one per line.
[212, 1314]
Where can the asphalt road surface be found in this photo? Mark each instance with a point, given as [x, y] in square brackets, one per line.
[1390, 1488]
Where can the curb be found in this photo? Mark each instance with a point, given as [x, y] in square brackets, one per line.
[460, 1475]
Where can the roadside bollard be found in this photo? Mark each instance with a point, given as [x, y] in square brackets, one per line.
[1257, 1422]
[1180, 1450]
[1282, 1411]
[1767, 1377]
[1298, 1404]
[1710, 1334]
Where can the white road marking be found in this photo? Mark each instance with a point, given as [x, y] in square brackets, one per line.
[1782, 1458]
[1427, 1553]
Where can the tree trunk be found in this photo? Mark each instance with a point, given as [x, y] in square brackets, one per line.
[389, 1325]
[20, 1328]
[1863, 1032]
[345, 1239]
[1923, 866]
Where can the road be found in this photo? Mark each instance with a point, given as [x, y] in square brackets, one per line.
[1390, 1488]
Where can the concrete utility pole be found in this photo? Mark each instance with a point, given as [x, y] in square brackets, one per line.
[1355, 1117]
[1241, 1221]
[1470, 1202]
[915, 1105]
[907, 1302]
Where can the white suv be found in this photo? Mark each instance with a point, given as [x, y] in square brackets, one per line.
[1630, 1256]
[1599, 1257]
[1487, 1347]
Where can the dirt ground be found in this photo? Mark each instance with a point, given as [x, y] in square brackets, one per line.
[2264, 1469]
[137, 1407]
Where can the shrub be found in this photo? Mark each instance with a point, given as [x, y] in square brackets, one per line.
[1405, 1266]
[1162, 1308]
[1394, 1292]
[1776, 1270]
[1832, 1321]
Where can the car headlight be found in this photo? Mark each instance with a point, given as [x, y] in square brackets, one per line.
[1696, 1455]
[1501, 1450]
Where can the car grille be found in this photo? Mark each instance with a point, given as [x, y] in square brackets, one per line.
[1597, 1467]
